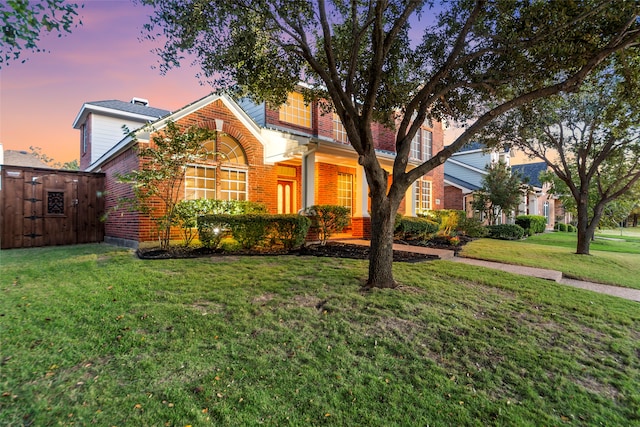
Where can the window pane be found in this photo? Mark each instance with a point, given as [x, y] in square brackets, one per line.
[295, 111]
[233, 184]
[345, 190]
[200, 182]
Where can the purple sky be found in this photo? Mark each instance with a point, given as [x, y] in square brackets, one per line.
[102, 59]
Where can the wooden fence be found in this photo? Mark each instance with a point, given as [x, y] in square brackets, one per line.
[46, 207]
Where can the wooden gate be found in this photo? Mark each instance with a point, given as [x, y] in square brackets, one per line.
[46, 207]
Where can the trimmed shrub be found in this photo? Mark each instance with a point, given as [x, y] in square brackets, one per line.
[472, 227]
[211, 230]
[290, 230]
[533, 224]
[505, 232]
[253, 230]
[328, 219]
[415, 227]
[561, 227]
[187, 212]
[571, 228]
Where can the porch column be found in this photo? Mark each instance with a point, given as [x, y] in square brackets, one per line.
[308, 179]
[362, 194]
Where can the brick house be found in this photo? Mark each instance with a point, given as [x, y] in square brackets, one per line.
[288, 158]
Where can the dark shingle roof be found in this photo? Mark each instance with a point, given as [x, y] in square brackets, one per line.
[530, 172]
[130, 107]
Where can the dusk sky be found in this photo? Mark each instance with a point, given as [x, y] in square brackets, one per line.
[100, 60]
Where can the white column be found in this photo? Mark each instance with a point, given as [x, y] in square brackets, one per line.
[308, 179]
[362, 194]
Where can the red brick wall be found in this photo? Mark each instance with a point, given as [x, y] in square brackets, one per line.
[121, 223]
[262, 178]
[453, 198]
[437, 175]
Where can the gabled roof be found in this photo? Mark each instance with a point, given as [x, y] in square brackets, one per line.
[530, 172]
[463, 185]
[116, 108]
[143, 132]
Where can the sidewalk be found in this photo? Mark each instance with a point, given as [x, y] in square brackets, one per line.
[553, 275]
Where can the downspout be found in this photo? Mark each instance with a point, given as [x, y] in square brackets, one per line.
[305, 176]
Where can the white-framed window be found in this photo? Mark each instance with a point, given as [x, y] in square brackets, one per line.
[222, 176]
[85, 141]
[422, 195]
[422, 145]
[295, 111]
[345, 190]
[339, 133]
[233, 184]
[200, 182]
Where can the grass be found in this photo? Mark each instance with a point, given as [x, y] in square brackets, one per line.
[613, 262]
[92, 335]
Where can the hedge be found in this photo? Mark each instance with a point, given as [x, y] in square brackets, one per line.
[505, 232]
[253, 230]
[532, 224]
[415, 227]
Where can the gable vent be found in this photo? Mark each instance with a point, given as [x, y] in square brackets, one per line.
[140, 101]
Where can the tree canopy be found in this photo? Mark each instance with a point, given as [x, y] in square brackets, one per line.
[590, 139]
[399, 62]
[501, 191]
[23, 22]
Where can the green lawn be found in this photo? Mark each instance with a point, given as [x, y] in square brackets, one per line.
[614, 262]
[90, 335]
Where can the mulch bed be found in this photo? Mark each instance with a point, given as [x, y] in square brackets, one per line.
[331, 249]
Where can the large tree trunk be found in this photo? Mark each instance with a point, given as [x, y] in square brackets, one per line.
[586, 227]
[381, 251]
[584, 239]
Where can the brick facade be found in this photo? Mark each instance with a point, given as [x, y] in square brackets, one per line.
[263, 178]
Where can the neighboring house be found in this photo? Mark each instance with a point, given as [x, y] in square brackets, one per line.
[288, 158]
[21, 158]
[537, 201]
[464, 173]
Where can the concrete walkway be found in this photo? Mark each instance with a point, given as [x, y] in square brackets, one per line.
[553, 275]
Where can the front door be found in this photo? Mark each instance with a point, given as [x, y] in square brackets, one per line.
[286, 202]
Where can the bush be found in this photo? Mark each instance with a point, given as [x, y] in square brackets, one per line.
[561, 227]
[290, 230]
[471, 227]
[416, 227]
[252, 230]
[571, 228]
[533, 224]
[328, 219]
[187, 212]
[505, 232]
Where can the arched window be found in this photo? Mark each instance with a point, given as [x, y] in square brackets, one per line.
[225, 149]
[223, 175]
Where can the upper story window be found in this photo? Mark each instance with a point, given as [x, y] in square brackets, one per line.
[295, 111]
[83, 135]
[421, 145]
[339, 133]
